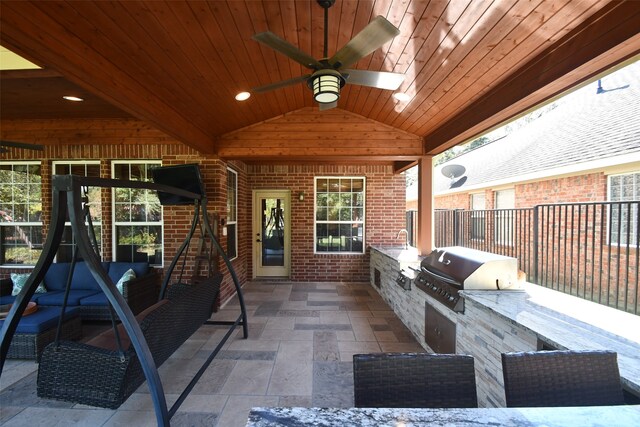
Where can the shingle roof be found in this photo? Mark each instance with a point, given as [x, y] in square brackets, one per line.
[590, 127]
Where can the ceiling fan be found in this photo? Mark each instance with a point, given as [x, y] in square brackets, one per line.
[329, 75]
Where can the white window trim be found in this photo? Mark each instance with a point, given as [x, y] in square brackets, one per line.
[510, 241]
[235, 221]
[115, 223]
[608, 232]
[81, 162]
[364, 215]
[26, 224]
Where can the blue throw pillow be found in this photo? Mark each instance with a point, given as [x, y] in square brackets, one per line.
[128, 275]
[19, 281]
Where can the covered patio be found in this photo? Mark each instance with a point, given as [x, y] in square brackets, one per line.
[157, 81]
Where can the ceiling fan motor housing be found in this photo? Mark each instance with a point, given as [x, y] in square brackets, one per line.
[326, 4]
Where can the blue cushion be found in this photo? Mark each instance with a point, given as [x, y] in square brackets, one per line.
[7, 299]
[55, 279]
[117, 269]
[83, 279]
[75, 295]
[36, 297]
[99, 299]
[43, 319]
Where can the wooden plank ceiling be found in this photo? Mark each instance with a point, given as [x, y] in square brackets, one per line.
[178, 65]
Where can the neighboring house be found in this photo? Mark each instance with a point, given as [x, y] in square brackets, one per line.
[541, 194]
[574, 153]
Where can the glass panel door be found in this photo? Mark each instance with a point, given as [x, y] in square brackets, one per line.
[271, 230]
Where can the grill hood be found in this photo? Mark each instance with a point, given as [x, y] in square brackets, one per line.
[472, 269]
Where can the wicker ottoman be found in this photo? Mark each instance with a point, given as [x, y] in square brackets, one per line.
[38, 329]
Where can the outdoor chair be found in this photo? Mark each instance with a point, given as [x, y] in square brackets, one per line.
[414, 380]
[561, 378]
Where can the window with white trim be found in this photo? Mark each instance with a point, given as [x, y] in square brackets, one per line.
[505, 204]
[20, 213]
[339, 214]
[624, 219]
[92, 194]
[478, 207]
[232, 214]
[137, 215]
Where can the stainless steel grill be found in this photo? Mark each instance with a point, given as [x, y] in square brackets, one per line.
[447, 271]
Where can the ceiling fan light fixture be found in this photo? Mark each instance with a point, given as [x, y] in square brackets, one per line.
[326, 86]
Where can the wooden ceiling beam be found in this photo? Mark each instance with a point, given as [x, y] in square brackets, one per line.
[401, 166]
[38, 73]
[612, 33]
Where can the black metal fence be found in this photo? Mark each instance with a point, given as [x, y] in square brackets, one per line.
[590, 250]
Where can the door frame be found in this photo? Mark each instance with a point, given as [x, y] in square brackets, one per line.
[256, 228]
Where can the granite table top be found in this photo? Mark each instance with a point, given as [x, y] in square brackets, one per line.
[621, 416]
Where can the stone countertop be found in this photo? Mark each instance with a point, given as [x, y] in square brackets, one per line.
[374, 417]
[568, 322]
[407, 258]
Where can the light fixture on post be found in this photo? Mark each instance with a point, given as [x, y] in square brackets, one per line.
[326, 84]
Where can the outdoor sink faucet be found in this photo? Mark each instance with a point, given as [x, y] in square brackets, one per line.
[406, 237]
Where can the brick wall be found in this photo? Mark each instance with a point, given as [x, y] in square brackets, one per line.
[177, 219]
[384, 216]
[579, 188]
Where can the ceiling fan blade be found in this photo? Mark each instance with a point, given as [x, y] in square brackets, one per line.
[284, 47]
[378, 32]
[24, 145]
[278, 85]
[329, 106]
[378, 79]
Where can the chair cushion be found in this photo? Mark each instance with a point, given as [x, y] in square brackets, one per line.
[55, 279]
[99, 299]
[9, 299]
[128, 275]
[56, 298]
[117, 269]
[43, 319]
[107, 339]
[83, 279]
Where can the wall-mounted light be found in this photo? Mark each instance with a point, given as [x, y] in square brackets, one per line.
[301, 195]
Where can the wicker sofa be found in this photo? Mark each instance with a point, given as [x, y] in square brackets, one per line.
[85, 293]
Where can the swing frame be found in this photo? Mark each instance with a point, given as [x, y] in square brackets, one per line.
[67, 198]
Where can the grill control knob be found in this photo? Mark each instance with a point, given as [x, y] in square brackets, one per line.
[451, 298]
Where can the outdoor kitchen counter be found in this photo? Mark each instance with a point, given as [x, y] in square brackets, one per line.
[566, 322]
[370, 417]
[406, 258]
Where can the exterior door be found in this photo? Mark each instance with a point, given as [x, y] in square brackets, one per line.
[271, 233]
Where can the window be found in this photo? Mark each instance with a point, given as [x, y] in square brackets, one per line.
[339, 218]
[478, 218]
[20, 213]
[91, 169]
[623, 223]
[137, 216]
[505, 204]
[232, 214]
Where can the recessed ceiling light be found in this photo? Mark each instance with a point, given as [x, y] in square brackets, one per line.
[73, 98]
[243, 96]
[401, 96]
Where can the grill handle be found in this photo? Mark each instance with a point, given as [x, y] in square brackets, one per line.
[439, 276]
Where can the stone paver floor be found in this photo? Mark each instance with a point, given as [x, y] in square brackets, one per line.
[302, 337]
